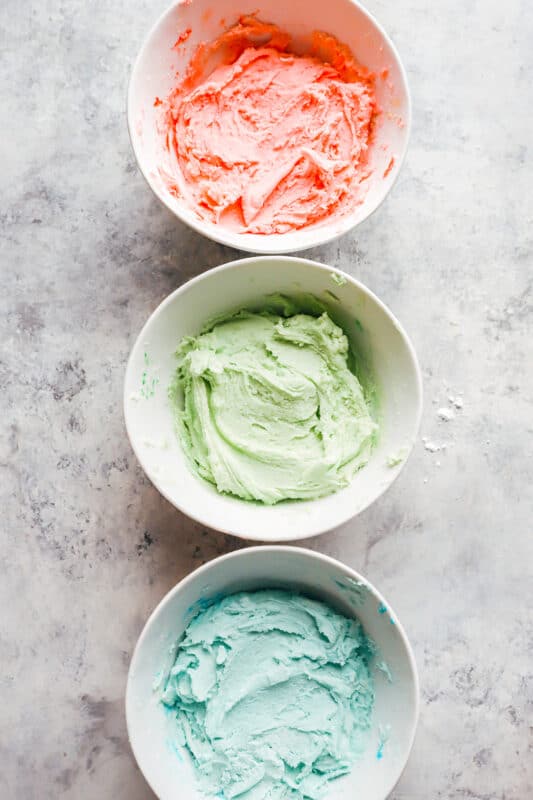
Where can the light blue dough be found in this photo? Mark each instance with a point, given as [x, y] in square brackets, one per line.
[273, 695]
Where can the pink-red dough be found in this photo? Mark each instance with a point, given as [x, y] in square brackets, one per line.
[270, 142]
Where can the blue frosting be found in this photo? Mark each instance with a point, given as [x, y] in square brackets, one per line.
[273, 695]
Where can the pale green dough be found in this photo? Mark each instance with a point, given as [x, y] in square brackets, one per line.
[267, 408]
[272, 694]
[340, 280]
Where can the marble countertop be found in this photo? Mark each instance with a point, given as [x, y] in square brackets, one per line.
[89, 546]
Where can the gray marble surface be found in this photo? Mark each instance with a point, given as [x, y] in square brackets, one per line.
[89, 547]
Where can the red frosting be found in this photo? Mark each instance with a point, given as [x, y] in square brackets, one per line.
[269, 141]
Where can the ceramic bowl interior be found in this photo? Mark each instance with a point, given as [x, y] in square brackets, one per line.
[154, 76]
[167, 767]
[376, 337]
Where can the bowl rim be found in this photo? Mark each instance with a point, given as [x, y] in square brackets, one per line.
[310, 528]
[239, 241]
[305, 553]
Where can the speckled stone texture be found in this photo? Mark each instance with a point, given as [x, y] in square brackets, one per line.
[89, 547]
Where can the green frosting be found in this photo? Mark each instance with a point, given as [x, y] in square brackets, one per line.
[272, 694]
[340, 280]
[268, 409]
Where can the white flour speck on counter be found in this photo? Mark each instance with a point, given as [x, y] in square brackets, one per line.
[445, 414]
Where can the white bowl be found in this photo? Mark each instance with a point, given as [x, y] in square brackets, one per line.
[154, 76]
[374, 332]
[170, 773]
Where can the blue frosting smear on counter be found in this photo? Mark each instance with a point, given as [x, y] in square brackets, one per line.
[272, 694]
